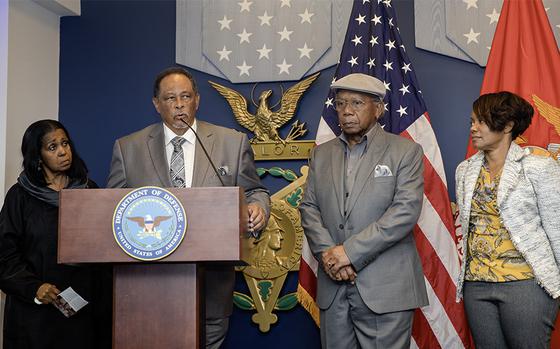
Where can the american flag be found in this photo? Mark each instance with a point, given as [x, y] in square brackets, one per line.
[373, 46]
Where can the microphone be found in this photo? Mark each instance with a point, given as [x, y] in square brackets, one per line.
[205, 153]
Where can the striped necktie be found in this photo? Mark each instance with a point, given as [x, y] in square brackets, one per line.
[177, 166]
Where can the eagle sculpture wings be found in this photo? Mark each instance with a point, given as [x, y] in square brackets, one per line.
[265, 122]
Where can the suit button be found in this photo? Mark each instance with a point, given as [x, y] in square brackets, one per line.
[341, 226]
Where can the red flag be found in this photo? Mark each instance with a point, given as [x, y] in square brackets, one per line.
[524, 59]
[373, 46]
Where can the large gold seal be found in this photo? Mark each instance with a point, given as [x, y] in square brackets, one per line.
[278, 249]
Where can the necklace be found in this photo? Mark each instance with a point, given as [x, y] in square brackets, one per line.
[495, 173]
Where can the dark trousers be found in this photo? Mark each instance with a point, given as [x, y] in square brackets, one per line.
[516, 314]
[216, 330]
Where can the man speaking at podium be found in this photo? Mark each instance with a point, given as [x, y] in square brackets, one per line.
[168, 154]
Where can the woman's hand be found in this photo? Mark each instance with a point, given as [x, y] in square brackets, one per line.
[47, 293]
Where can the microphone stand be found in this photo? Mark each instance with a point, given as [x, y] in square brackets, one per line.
[205, 153]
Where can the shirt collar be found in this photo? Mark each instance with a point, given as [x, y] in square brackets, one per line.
[368, 135]
[169, 134]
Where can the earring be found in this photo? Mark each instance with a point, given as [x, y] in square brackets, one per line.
[39, 168]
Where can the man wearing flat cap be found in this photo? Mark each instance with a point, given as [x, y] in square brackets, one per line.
[363, 197]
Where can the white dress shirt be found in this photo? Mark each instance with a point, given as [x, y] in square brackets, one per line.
[188, 150]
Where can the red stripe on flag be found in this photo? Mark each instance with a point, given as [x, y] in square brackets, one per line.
[422, 332]
[436, 191]
[442, 284]
[307, 279]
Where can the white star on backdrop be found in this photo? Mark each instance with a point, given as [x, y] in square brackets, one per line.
[306, 16]
[245, 5]
[284, 67]
[285, 34]
[494, 16]
[244, 68]
[224, 23]
[305, 51]
[265, 18]
[471, 36]
[471, 3]
[263, 52]
[353, 61]
[371, 63]
[244, 36]
[224, 53]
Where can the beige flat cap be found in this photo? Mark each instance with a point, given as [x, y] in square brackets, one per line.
[361, 83]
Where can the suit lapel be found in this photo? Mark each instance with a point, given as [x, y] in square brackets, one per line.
[156, 148]
[201, 163]
[375, 150]
[337, 171]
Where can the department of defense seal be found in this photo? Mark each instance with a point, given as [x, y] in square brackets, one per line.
[149, 223]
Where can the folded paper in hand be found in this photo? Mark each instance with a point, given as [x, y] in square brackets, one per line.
[69, 302]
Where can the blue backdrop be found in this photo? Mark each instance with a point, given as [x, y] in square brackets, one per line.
[110, 55]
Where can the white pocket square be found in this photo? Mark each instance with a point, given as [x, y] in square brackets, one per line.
[382, 171]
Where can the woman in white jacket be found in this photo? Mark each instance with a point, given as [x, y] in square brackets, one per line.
[509, 204]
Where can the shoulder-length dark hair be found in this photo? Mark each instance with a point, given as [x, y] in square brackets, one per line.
[31, 145]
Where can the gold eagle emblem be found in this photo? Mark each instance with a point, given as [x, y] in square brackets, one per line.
[264, 124]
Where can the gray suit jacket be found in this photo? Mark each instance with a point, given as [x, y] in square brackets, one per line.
[139, 160]
[376, 229]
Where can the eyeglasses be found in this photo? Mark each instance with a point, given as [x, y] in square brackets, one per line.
[355, 104]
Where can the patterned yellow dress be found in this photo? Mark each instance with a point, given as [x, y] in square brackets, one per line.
[491, 255]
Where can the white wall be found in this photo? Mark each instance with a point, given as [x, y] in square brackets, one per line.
[33, 54]
[32, 72]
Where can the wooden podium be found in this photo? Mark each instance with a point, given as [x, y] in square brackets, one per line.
[158, 304]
